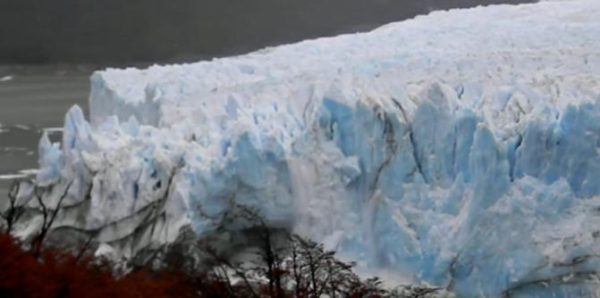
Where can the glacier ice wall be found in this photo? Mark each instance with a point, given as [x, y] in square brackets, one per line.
[461, 148]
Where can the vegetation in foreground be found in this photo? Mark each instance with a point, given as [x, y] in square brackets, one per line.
[277, 265]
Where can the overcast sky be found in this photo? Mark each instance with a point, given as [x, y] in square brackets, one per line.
[125, 31]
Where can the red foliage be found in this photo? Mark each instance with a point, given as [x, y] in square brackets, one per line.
[57, 274]
[52, 273]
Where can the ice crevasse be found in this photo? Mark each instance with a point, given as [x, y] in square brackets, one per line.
[461, 148]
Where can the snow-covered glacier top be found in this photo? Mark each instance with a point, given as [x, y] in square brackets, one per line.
[461, 148]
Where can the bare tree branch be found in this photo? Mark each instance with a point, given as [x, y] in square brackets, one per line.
[48, 219]
[12, 215]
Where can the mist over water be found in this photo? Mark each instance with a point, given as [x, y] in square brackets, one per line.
[117, 31]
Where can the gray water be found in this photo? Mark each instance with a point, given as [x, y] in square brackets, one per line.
[35, 36]
[32, 99]
[123, 31]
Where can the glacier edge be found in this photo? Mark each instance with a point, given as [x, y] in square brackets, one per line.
[473, 168]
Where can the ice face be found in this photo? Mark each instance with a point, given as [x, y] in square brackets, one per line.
[459, 148]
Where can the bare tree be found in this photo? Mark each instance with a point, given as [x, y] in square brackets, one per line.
[15, 209]
[223, 265]
[48, 215]
[284, 264]
[269, 252]
[296, 265]
[292, 265]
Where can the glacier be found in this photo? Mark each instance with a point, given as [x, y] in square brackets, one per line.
[460, 148]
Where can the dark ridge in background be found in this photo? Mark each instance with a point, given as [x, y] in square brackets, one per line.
[129, 31]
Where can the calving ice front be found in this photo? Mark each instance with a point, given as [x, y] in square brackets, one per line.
[461, 149]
